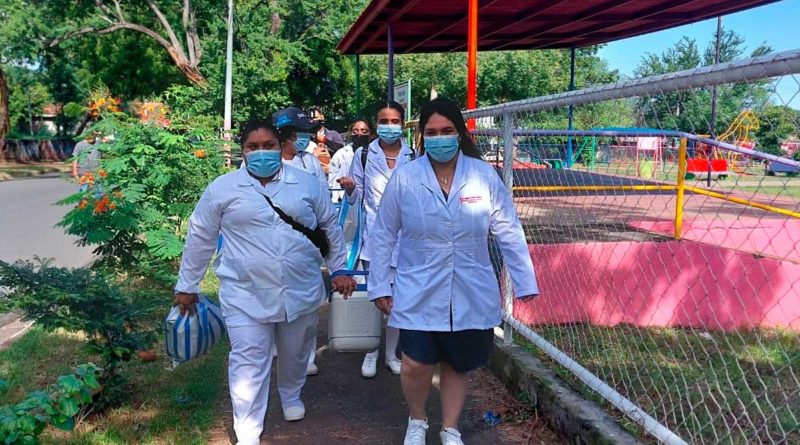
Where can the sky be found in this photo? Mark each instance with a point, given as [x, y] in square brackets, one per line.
[777, 24]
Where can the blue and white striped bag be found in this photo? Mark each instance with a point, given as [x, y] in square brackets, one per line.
[190, 336]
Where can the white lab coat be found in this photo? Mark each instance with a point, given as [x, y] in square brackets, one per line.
[370, 184]
[267, 270]
[339, 168]
[309, 163]
[445, 280]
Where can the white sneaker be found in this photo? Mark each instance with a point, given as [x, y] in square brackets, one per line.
[370, 366]
[312, 369]
[450, 436]
[395, 365]
[295, 412]
[415, 434]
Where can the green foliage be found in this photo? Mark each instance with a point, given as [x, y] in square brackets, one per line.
[136, 207]
[690, 111]
[81, 300]
[776, 125]
[57, 406]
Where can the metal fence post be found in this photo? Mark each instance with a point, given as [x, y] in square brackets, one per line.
[508, 179]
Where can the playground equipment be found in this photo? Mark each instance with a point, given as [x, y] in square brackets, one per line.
[739, 133]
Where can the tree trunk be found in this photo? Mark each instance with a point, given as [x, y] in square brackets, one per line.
[190, 71]
[5, 127]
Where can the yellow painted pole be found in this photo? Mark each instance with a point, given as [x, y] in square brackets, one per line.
[743, 201]
[681, 189]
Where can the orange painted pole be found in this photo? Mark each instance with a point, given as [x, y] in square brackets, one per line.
[472, 60]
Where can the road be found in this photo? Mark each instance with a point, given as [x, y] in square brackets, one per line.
[28, 216]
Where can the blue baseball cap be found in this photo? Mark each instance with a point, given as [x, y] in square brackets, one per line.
[293, 117]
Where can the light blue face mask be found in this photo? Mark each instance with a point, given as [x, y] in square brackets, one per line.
[441, 148]
[390, 133]
[302, 141]
[263, 163]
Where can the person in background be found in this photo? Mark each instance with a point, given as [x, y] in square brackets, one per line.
[270, 285]
[86, 155]
[370, 171]
[360, 136]
[435, 218]
[295, 130]
[326, 147]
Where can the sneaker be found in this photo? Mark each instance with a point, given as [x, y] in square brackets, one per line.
[450, 436]
[395, 365]
[312, 369]
[295, 412]
[370, 366]
[415, 434]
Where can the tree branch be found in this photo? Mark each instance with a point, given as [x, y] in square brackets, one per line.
[172, 37]
[188, 16]
[119, 11]
[116, 27]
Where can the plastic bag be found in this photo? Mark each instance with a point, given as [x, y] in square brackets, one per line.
[190, 336]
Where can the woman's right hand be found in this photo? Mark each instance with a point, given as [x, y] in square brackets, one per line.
[384, 304]
[186, 302]
[347, 184]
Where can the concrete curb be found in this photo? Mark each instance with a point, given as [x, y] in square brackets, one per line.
[5, 176]
[569, 414]
[8, 318]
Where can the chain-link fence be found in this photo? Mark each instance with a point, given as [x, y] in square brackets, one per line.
[667, 245]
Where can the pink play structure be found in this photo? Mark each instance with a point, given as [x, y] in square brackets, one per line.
[673, 283]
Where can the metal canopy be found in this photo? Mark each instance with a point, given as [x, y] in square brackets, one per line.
[441, 26]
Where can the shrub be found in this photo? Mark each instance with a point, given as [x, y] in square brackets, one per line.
[136, 207]
[24, 422]
[82, 300]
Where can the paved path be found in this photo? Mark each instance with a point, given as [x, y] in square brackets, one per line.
[344, 408]
[28, 217]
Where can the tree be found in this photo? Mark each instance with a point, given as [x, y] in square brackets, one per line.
[691, 110]
[18, 46]
[777, 124]
[104, 18]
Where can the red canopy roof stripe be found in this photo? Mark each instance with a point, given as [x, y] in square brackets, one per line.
[441, 26]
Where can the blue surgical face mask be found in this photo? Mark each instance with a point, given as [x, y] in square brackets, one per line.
[302, 141]
[263, 163]
[390, 133]
[441, 148]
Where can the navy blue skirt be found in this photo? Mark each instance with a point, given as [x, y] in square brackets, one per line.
[464, 351]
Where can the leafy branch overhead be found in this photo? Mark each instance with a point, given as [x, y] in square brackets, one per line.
[108, 17]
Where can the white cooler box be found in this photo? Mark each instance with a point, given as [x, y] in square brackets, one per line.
[354, 325]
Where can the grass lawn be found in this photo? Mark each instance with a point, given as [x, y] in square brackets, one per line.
[711, 388]
[165, 406]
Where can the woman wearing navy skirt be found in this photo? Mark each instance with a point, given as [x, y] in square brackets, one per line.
[445, 299]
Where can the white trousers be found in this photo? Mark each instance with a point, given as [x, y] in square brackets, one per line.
[250, 364]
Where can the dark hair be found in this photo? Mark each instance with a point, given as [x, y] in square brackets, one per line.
[447, 108]
[366, 121]
[255, 125]
[394, 106]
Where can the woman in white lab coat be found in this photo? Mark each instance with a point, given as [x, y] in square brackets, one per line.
[369, 174]
[445, 297]
[360, 136]
[270, 282]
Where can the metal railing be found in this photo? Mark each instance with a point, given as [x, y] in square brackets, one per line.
[676, 302]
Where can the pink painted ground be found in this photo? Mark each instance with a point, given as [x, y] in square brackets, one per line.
[777, 238]
[676, 283]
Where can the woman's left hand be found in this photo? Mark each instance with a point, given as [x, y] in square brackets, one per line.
[344, 285]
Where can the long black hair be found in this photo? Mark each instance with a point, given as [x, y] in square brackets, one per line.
[255, 125]
[447, 108]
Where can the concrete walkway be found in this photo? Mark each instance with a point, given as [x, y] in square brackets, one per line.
[344, 408]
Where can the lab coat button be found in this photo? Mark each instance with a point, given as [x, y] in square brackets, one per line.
[450, 244]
